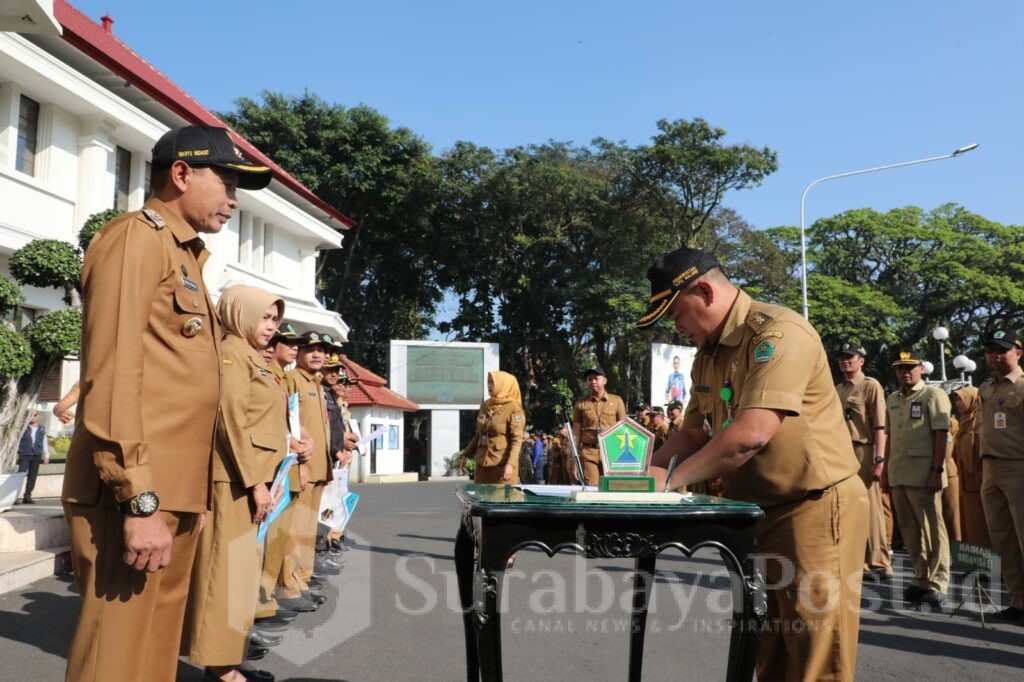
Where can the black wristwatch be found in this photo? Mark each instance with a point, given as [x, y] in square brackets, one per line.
[143, 504]
[937, 469]
[879, 459]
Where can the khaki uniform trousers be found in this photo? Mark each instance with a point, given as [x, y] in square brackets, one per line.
[494, 474]
[1002, 493]
[972, 518]
[225, 577]
[301, 551]
[919, 514]
[590, 457]
[814, 621]
[273, 562]
[876, 554]
[951, 508]
[131, 621]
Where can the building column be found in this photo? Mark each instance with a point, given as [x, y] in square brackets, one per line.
[10, 102]
[95, 169]
[444, 439]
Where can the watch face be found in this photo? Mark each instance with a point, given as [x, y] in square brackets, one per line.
[146, 503]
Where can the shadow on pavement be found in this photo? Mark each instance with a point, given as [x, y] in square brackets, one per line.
[46, 621]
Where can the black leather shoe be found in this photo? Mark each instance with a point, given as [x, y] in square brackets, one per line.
[271, 624]
[262, 639]
[299, 604]
[28, 500]
[326, 567]
[316, 583]
[1010, 614]
[255, 653]
[334, 547]
[932, 598]
[256, 675]
[914, 593]
[285, 614]
[314, 597]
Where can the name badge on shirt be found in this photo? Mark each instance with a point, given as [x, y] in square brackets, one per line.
[999, 420]
[916, 411]
[189, 284]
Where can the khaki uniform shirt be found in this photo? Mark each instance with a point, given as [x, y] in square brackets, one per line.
[499, 435]
[675, 425]
[1003, 398]
[773, 359]
[913, 419]
[150, 381]
[252, 428]
[593, 416]
[863, 402]
[661, 434]
[287, 384]
[313, 416]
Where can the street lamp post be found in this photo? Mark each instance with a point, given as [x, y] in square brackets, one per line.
[803, 238]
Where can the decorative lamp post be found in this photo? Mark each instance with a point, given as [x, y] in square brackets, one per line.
[940, 334]
[803, 238]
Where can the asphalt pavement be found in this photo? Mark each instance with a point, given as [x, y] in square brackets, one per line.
[393, 615]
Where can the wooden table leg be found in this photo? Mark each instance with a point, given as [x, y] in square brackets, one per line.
[643, 583]
[750, 605]
[464, 573]
[488, 623]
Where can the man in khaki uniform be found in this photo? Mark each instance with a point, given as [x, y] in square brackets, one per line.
[918, 431]
[659, 427]
[863, 401]
[300, 556]
[285, 346]
[675, 417]
[764, 417]
[591, 416]
[1001, 430]
[136, 483]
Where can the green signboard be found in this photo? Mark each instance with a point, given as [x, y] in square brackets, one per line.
[439, 375]
[970, 557]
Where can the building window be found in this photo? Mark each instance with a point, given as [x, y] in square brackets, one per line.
[122, 176]
[28, 136]
[149, 180]
[21, 316]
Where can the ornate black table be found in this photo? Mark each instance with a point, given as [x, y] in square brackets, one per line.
[498, 520]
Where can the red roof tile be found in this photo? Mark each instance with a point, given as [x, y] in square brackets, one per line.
[89, 37]
[372, 389]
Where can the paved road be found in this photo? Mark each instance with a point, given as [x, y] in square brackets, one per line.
[393, 616]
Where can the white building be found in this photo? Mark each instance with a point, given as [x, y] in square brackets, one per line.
[79, 113]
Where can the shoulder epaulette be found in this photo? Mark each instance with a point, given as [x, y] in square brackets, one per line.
[757, 319]
[155, 219]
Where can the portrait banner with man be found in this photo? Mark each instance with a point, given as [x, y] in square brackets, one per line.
[670, 373]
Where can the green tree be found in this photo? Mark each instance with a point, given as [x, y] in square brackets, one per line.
[26, 358]
[887, 279]
[382, 280]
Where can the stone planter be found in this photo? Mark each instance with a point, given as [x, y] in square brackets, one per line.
[10, 489]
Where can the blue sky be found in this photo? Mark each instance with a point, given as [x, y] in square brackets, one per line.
[831, 86]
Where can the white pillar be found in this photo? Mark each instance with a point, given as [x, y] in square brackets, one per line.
[95, 169]
[10, 101]
[444, 438]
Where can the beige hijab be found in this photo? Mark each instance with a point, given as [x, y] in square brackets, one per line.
[968, 420]
[241, 308]
[506, 389]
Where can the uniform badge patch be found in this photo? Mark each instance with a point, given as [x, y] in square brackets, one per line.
[767, 335]
[916, 410]
[763, 352]
[192, 326]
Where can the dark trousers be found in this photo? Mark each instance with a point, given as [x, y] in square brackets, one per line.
[31, 465]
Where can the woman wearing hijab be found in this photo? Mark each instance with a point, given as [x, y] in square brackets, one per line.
[499, 432]
[249, 445]
[967, 453]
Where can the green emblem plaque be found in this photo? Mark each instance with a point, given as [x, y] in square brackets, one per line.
[626, 449]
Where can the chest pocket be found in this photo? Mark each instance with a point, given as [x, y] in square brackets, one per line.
[189, 323]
